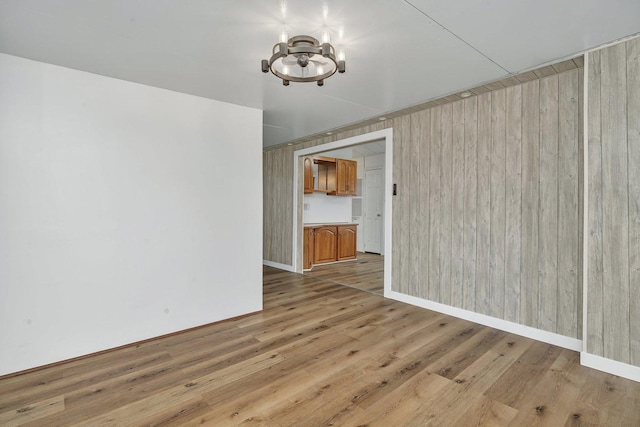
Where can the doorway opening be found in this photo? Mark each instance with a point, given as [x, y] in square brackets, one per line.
[367, 210]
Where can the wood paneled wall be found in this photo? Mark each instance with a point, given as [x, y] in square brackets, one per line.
[613, 292]
[487, 214]
[278, 205]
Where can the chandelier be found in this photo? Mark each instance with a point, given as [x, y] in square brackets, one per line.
[304, 59]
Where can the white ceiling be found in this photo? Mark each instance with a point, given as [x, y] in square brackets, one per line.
[399, 53]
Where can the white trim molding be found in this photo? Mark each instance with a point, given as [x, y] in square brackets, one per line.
[279, 266]
[610, 366]
[493, 322]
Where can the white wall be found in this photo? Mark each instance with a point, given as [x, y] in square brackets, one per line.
[126, 212]
[321, 208]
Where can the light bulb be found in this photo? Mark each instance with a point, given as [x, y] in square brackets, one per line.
[320, 70]
[284, 36]
[285, 70]
[341, 55]
[326, 36]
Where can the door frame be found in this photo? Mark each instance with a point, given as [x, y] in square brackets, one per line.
[384, 134]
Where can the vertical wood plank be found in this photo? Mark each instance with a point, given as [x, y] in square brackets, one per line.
[446, 173]
[615, 203]
[530, 192]
[404, 189]
[595, 318]
[279, 184]
[400, 132]
[633, 141]
[498, 224]
[457, 217]
[287, 204]
[470, 199]
[568, 226]
[266, 204]
[581, 203]
[548, 209]
[434, 206]
[513, 204]
[418, 147]
[420, 131]
[483, 283]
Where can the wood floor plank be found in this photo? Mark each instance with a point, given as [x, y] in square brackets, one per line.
[510, 388]
[405, 405]
[484, 372]
[466, 353]
[488, 412]
[32, 412]
[325, 354]
[558, 389]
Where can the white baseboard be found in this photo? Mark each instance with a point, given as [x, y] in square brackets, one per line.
[493, 322]
[278, 265]
[610, 366]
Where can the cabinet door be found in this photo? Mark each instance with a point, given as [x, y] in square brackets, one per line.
[324, 244]
[341, 177]
[347, 239]
[307, 258]
[346, 177]
[308, 175]
[351, 177]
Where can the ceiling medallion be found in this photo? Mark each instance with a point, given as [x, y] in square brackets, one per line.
[304, 59]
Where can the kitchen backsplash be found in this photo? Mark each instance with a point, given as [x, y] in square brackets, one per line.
[320, 208]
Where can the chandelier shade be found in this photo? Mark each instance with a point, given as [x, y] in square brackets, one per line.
[303, 59]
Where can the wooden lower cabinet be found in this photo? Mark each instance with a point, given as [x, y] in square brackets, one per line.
[324, 244]
[346, 242]
[307, 259]
[328, 243]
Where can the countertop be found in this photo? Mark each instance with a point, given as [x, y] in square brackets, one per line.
[328, 224]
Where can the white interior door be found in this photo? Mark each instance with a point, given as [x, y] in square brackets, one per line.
[373, 210]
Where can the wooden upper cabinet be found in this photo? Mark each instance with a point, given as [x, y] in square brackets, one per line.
[346, 177]
[346, 242]
[308, 175]
[325, 241]
[326, 175]
[336, 177]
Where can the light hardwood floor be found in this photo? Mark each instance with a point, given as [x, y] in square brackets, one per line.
[321, 354]
[366, 272]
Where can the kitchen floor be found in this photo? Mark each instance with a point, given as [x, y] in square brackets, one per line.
[365, 273]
